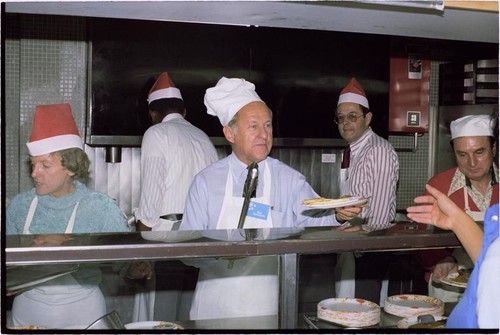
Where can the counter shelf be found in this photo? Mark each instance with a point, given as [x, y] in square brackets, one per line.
[286, 242]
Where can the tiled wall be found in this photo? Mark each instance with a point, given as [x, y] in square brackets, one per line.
[46, 62]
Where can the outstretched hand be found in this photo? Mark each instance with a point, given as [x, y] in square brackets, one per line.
[436, 209]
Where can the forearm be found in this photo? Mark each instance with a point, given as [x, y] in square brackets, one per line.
[469, 233]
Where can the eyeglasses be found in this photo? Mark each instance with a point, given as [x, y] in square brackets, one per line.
[351, 117]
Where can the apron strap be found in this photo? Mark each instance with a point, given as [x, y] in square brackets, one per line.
[475, 215]
[31, 214]
[71, 222]
[29, 217]
[466, 199]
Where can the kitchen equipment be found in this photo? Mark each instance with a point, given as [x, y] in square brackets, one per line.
[349, 312]
[176, 218]
[153, 325]
[429, 322]
[457, 279]
[407, 305]
[109, 321]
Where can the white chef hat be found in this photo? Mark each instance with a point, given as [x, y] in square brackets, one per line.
[353, 92]
[163, 88]
[54, 129]
[226, 98]
[472, 125]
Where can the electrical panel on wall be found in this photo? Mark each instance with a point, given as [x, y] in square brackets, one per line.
[409, 92]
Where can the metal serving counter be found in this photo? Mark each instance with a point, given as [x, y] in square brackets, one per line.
[286, 242]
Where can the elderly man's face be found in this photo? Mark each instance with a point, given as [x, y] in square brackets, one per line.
[252, 135]
[474, 156]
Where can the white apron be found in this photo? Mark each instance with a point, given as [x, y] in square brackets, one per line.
[345, 267]
[145, 296]
[61, 302]
[451, 294]
[344, 182]
[249, 287]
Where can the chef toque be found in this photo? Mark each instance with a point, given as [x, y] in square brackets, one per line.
[163, 88]
[472, 125]
[353, 92]
[226, 98]
[54, 129]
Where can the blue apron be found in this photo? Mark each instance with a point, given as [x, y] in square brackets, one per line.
[464, 315]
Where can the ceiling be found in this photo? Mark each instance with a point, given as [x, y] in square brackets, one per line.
[348, 16]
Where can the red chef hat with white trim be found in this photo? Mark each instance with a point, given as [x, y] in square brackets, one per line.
[472, 125]
[226, 98]
[163, 88]
[353, 92]
[54, 129]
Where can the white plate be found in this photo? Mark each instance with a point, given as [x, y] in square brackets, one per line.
[407, 305]
[413, 320]
[152, 324]
[352, 201]
[450, 280]
[349, 312]
[20, 277]
[171, 236]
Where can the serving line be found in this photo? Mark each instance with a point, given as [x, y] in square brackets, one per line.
[106, 247]
[288, 243]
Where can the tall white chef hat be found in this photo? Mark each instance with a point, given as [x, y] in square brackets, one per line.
[54, 129]
[226, 98]
[353, 92]
[472, 125]
[163, 88]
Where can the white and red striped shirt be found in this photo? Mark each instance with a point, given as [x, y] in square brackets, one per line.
[374, 173]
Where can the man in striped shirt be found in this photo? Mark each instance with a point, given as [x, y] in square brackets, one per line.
[373, 171]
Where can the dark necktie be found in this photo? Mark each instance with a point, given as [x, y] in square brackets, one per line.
[346, 159]
[247, 181]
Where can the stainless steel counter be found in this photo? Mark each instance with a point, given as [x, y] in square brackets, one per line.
[288, 243]
[105, 247]
[256, 322]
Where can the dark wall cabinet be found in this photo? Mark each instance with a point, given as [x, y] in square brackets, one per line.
[297, 72]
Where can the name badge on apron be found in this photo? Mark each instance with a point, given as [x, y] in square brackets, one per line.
[257, 210]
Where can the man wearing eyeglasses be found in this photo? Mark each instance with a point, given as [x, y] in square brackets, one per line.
[370, 168]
